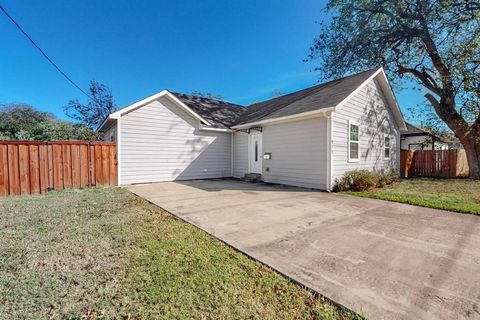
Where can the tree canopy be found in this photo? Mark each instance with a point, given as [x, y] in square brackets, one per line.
[24, 122]
[96, 110]
[435, 43]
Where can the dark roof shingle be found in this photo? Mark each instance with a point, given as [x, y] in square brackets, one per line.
[321, 96]
[222, 114]
[219, 113]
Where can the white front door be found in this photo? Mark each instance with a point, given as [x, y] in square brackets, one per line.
[255, 152]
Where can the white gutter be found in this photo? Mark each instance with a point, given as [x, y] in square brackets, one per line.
[202, 127]
[329, 152]
[285, 118]
[119, 162]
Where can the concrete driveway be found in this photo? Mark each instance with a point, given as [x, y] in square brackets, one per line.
[387, 260]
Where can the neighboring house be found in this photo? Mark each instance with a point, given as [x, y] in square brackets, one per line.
[307, 138]
[415, 138]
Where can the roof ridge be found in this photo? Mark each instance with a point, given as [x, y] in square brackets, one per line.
[304, 93]
[317, 85]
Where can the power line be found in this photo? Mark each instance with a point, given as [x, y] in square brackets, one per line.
[45, 55]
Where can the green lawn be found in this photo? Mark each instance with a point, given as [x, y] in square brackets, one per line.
[461, 195]
[105, 253]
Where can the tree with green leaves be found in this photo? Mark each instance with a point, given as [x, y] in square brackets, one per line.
[24, 122]
[435, 43]
[96, 110]
[19, 120]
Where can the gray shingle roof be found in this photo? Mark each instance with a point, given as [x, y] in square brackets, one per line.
[416, 131]
[219, 113]
[321, 96]
[222, 114]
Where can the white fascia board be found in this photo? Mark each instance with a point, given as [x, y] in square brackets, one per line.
[394, 102]
[100, 127]
[202, 127]
[299, 116]
[164, 93]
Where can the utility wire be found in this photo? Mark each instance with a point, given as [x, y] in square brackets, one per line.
[45, 55]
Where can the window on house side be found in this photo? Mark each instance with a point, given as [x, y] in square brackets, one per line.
[353, 142]
[387, 148]
[256, 151]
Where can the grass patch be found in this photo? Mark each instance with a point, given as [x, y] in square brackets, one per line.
[460, 195]
[105, 253]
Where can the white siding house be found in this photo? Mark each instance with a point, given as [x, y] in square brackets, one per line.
[161, 142]
[298, 153]
[369, 111]
[308, 138]
[240, 154]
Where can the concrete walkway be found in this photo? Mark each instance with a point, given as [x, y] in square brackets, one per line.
[387, 260]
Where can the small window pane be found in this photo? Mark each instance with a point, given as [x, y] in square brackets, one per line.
[387, 153]
[256, 151]
[353, 132]
[387, 142]
[353, 150]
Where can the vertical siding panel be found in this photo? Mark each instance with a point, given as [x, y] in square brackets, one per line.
[113, 165]
[98, 165]
[24, 168]
[57, 167]
[43, 164]
[13, 170]
[4, 183]
[67, 166]
[76, 169]
[84, 165]
[91, 164]
[34, 169]
[105, 165]
[50, 162]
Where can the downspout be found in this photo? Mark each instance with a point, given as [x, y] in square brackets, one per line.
[231, 155]
[329, 152]
[119, 163]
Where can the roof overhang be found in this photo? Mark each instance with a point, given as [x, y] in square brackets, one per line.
[295, 117]
[162, 94]
[386, 89]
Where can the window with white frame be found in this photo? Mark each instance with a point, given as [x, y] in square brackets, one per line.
[386, 147]
[353, 142]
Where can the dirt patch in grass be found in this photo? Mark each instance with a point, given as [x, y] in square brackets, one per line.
[460, 195]
[105, 253]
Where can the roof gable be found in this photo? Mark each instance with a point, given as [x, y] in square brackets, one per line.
[222, 115]
[323, 96]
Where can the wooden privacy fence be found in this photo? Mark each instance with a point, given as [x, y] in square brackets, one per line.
[433, 163]
[28, 167]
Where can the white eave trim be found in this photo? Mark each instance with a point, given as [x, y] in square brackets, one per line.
[164, 93]
[202, 127]
[298, 116]
[100, 127]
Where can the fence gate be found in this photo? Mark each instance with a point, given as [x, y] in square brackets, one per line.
[28, 167]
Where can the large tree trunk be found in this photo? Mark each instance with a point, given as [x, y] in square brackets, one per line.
[469, 135]
[472, 149]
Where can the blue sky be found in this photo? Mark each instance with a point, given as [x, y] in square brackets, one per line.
[242, 50]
